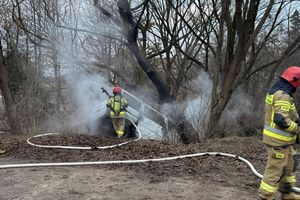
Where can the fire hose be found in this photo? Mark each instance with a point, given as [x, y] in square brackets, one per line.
[63, 164]
[82, 148]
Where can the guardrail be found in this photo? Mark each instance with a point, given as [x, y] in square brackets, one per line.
[142, 107]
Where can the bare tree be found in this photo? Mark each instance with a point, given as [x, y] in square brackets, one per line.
[173, 47]
[9, 103]
[235, 41]
[130, 29]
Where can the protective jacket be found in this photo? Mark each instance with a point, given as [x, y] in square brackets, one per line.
[118, 105]
[280, 115]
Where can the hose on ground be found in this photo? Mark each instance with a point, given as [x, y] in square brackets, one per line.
[79, 147]
[64, 164]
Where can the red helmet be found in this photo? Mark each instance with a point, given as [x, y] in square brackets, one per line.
[117, 89]
[292, 75]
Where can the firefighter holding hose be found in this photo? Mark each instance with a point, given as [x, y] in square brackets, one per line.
[279, 135]
[117, 105]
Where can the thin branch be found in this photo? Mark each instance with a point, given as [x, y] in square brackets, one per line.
[290, 50]
[192, 30]
[107, 13]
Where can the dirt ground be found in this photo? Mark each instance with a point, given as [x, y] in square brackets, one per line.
[206, 177]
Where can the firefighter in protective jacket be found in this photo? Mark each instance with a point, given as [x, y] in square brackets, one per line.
[117, 105]
[280, 133]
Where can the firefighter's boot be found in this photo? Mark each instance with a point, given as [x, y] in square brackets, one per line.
[267, 198]
[2, 151]
[120, 133]
[290, 196]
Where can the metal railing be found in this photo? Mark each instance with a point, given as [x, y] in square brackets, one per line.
[144, 110]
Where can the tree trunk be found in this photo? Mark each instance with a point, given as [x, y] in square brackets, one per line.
[216, 112]
[244, 32]
[9, 104]
[184, 128]
[152, 74]
[56, 65]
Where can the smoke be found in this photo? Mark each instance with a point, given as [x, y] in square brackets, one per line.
[86, 88]
[77, 51]
[196, 108]
[236, 114]
[88, 97]
[202, 87]
[238, 110]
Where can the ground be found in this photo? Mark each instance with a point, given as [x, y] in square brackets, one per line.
[206, 177]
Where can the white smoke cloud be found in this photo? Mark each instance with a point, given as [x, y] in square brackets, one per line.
[195, 109]
[198, 109]
[89, 99]
[238, 106]
[76, 58]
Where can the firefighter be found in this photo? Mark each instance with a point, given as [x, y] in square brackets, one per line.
[117, 105]
[279, 135]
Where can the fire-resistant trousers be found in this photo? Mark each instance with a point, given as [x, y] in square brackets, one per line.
[119, 125]
[279, 171]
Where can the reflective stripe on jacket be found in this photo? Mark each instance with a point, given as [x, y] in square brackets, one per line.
[280, 104]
